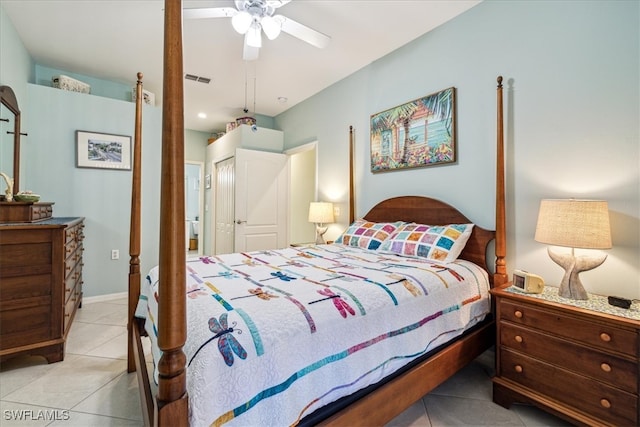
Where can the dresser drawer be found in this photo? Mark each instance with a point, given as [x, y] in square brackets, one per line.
[25, 259]
[24, 324]
[601, 366]
[71, 306]
[20, 287]
[582, 393]
[74, 233]
[70, 248]
[71, 281]
[587, 332]
[73, 260]
[40, 212]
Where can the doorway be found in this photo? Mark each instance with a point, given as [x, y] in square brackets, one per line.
[194, 202]
[303, 190]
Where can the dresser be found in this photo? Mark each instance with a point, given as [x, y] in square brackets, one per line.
[579, 363]
[40, 285]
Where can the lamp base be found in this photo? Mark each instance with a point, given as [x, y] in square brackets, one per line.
[320, 230]
[571, 286]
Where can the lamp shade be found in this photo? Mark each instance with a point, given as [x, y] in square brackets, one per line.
[271, 27]
[254, 35]
[574, 223]
[241, 22]
[321, 212]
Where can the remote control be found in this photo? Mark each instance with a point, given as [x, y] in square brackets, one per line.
[620, 302]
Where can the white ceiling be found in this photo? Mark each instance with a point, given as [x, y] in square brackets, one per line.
[114, 39]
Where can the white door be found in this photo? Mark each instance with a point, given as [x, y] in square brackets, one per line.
[224, 202]
[261, 191]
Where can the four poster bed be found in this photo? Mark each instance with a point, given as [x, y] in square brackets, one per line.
[340, 334]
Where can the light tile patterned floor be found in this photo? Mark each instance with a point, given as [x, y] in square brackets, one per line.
[91, 386]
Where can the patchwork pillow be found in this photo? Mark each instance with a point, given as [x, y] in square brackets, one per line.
[366, 234]
[442, 243]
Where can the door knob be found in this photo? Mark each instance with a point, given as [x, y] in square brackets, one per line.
[240, 222]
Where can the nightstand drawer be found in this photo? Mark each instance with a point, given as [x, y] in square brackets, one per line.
[582, 393]
[556, 322]
[615, 371]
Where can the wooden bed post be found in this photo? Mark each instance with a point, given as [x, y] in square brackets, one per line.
[500, 277]
[172, 401]
[134, 229]
[352, 196]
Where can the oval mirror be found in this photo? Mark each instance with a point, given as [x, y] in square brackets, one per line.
[9, 137]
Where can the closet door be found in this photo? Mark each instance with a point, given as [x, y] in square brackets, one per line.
[261, 196]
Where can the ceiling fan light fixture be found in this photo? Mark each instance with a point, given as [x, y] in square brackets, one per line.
[254, 36]
[241, 22]
[271, 27]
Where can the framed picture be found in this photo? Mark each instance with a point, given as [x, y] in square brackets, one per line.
[419, 133]
[103, 151]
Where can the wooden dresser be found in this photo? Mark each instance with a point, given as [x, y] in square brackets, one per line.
[40, 285]
[580, 364]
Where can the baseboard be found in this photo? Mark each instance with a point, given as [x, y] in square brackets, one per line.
[104, 298]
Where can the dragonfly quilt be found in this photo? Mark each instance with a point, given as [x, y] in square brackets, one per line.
[274, 335]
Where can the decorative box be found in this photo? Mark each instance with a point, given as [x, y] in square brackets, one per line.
[215, 136]
[246, 121]
[148, 98]
[67, 83]
[25, 211]
[231, 126]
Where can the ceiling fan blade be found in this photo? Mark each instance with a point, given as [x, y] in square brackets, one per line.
[209, 12]
[277, 3]
[303, 32]
[249, 53]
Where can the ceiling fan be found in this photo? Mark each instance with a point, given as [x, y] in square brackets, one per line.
[251, 17]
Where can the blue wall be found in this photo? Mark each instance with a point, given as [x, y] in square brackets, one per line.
[102, 196]
[572, 102]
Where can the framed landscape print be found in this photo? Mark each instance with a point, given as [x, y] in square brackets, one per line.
[416, 134]
[103, 151]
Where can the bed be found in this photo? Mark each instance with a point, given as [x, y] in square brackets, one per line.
[349, 295]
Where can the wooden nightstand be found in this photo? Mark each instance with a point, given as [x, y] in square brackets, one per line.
[578, 363]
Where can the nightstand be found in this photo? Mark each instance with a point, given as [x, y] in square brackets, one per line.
[580, 363]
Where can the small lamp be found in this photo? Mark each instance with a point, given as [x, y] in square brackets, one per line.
[254, 35]
[321, 213]
[576, 224]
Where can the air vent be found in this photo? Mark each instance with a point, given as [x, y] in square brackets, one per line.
[195, 78]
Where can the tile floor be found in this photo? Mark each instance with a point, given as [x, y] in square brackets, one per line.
[91, 386]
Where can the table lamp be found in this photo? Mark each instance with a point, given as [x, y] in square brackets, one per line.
[321, 213]
[574, 223]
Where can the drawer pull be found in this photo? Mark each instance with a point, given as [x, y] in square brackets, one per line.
[518, 314]
[518, 369]
[605, 367]
[605, 337]
[518, 338]
[605, 403]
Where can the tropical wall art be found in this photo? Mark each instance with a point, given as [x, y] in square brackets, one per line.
[416, 134]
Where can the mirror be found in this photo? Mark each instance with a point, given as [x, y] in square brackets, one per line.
[10, 139]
